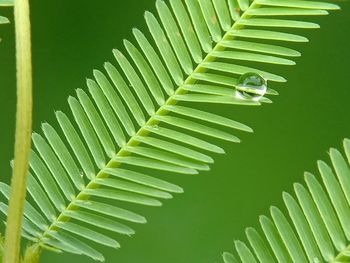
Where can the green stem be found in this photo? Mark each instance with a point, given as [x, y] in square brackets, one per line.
[1, 247]
[23, 132]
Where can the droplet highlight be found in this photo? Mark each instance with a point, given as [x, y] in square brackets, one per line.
[251, 86]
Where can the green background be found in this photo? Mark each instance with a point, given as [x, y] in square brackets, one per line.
[70, 38]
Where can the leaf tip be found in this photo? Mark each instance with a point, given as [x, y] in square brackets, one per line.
[148, 15]
[285, 195]
[136, 32]
[90, 82]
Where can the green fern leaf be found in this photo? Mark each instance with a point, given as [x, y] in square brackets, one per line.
[4, 20]
[316, 228]
[141, 117]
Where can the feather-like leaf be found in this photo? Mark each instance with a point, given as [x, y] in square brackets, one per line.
[316, 228]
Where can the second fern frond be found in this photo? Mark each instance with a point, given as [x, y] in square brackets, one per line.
[317, 227]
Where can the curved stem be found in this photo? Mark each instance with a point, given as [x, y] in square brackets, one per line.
[23, 132]
[1, 247]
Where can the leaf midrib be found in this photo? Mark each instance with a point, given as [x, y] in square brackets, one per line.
[142, 131]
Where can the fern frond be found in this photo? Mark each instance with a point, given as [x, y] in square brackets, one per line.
[317, 227]
[142, 117]
[4, 20]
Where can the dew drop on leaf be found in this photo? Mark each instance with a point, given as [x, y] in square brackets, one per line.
[251, 86]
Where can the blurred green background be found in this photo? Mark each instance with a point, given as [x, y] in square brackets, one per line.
[70, 38]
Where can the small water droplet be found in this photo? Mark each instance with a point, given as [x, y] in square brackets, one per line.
[155, 127]
[251, 86]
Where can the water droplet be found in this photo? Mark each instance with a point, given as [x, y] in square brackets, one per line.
[251, 86]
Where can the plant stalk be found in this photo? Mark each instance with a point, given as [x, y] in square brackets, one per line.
[23, 132]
